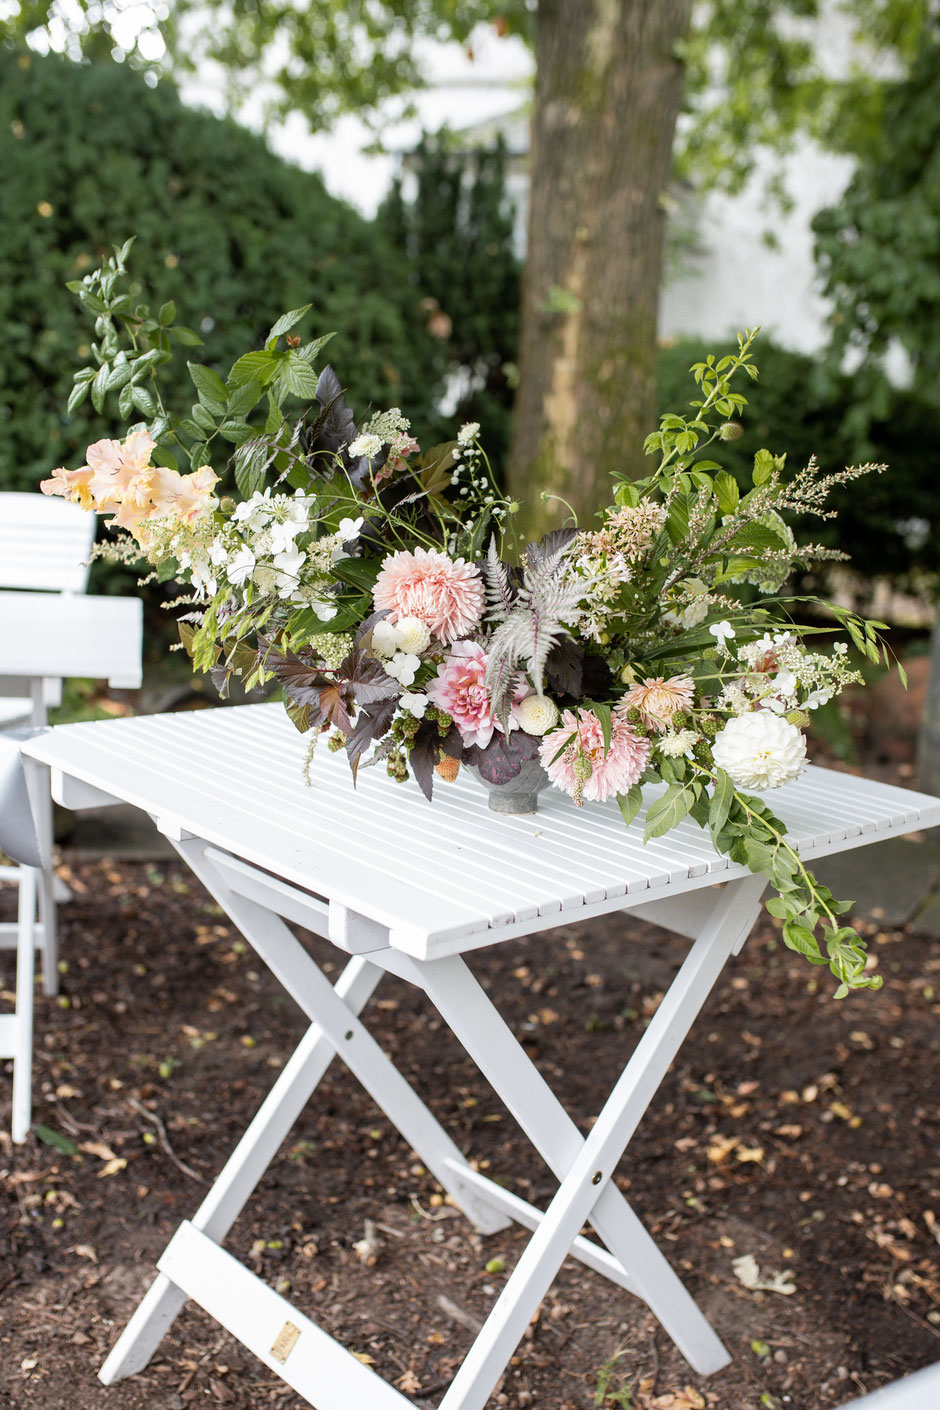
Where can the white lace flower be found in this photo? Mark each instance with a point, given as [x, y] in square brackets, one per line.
[536, 714]
[760, 750]
[679, 744]
[366, 445]
[468, 432]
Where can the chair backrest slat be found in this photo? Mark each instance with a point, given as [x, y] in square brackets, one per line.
[44, 543]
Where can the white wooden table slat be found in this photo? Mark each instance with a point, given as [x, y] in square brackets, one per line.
[438, 881]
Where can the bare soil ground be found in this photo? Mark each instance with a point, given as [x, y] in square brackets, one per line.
[797, 1130]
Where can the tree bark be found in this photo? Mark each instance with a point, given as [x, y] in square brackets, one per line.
[608, 91]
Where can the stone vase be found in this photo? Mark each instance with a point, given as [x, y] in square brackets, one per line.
[517, 795]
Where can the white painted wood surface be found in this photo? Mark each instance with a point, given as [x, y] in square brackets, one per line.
[443, 877]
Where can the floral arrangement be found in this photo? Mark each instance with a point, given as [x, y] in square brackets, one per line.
[382, 587]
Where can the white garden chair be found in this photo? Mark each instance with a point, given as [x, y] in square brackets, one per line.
[44, 546]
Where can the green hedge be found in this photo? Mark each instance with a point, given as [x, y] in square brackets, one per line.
[795, 408]
[90, 154]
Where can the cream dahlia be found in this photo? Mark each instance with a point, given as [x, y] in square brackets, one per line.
[658, 700]
[583, 769]
[760, 750]
[445, 594]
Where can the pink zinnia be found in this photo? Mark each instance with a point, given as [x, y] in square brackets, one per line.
[614, 772]
[446, 595]
[658, 700]
[459, 689]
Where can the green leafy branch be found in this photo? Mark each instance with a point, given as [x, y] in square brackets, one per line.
[744, 829]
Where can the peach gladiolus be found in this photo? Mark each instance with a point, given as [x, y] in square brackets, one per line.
[71, 484]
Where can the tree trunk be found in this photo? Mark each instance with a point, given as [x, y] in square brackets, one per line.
[607, 96]
[928, 751]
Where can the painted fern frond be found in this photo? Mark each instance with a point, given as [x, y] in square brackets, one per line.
[496, 580]
[546, 604]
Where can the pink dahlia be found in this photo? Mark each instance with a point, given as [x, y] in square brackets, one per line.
[445, 594]
[658, 700]
[582, 768]
[459, 689]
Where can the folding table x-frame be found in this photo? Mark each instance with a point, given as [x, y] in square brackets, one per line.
[228, 845]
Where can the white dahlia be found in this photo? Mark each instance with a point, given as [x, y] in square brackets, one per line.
[760, 750]
[536, 714]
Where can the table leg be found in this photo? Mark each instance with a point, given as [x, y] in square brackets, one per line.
[23, 1023]
[241, 1173]
[304, 981]
[586, 1165]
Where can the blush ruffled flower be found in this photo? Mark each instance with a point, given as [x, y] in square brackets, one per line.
[459, 688]
[583, 769]
[445, 594]
[658, 700]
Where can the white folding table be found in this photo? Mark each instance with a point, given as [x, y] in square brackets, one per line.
[44, 637]
[408, 888]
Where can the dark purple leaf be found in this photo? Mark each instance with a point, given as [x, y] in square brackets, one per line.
[553, 543]
[367, 677]
[503, 757]
[564, 668]
[372, 722]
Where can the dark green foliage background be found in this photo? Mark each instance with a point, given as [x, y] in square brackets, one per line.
[230, 232]
[799, 407]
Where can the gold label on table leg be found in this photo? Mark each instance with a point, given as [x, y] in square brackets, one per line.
[285, 1342]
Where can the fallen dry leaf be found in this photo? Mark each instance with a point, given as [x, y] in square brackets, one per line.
[747, 1271]
[112, 1167]
[99, 1149]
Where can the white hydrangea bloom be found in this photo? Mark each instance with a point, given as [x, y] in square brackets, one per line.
[254, 512]
[760, 750]
[414, 636]
[723, 632]
[415, 703]
[536, 714]
[241, 567]
[385, 638]
[349, 529]
[403, 667]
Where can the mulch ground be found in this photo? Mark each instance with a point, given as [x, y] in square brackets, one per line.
[793, 1129]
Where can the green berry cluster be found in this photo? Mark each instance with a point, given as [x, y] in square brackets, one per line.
[396, 766]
